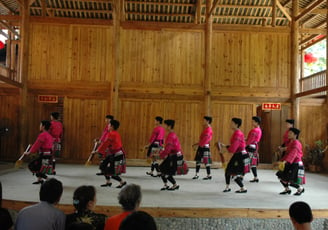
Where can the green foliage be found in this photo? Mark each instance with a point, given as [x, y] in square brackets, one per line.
[315, 153]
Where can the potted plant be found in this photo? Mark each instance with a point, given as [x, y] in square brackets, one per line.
[315, 155]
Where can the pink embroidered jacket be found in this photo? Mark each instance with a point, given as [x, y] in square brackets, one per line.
[43, 143]
[205, 137]
[56, 130]
[254, 137]
[294, 152]
[237, 142]
[157, 135]
[172, 145]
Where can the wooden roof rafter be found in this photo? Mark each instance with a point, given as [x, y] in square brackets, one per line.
[313, 5]
[3, 4]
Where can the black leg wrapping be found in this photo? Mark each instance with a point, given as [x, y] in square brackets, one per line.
[197, 167]
[254, 171]
[117, 178]
[171, 179]
[227, 178]
[295, 185]
[152, 167]
[164, 179]
[284, 184]
[208, 170]
[156, 166]
[239, 181]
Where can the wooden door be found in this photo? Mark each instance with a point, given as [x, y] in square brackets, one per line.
[273, 127]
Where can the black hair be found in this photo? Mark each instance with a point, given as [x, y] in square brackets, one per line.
[295, 131]
[257, 119]
[51, 191]
[170, 123]
[115, 124]
[291, 121]
[110, 117]
[81, 197]
[301, 212]
[129, 197]
[138, 220]
[46, 124]
[209, 119]
[159, 119]
[237, 121]
[6, 221]
[55, 115]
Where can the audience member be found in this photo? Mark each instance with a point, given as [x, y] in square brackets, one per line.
[84, 201]
[6, 221]
[44, 215]
[80, 226]
[138, 220]
[130, 199]
[301, 215]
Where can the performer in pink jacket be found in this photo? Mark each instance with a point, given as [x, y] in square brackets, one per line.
[203, 154]
[283, 147]
[156, 141]
[43, 146]
[171, 154]
[102, 138]
[252, 145]
[293, 173]
[239, 162]
[56, 131]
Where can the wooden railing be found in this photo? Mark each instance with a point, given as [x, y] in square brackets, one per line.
[314, 81]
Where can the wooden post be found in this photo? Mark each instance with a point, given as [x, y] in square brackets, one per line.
[24, 28]
[116, 54]
[274, 13]
[327, 80]
[208, 49]
[294, 64]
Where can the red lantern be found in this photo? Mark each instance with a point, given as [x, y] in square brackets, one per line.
[309, 58]
[2, 45]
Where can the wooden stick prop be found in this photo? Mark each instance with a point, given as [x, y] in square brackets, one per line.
[88, 162]
[19, 162]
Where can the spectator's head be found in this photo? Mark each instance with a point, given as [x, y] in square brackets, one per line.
[54, 116]
[130, 197]
[84, 198]
[51, 191]
[138, 220]
[208, 119]
[45, 125]
[108, 118]
[236, 122]
[300, 214]
[159, 120]
[5, 219]
[80, 226]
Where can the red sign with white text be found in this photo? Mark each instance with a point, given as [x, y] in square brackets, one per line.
[47, 99]
[271, 106]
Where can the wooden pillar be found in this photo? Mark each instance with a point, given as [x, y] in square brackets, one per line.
[208, 49]
[327, 79]
[294, 63]
[23, 73]
[117, 8]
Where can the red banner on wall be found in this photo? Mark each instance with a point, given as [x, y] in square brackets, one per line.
[47, 99]
[271, 106]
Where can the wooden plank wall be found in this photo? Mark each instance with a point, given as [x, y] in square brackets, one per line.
[161, 72]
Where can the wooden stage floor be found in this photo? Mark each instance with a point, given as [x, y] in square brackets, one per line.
[194, 198]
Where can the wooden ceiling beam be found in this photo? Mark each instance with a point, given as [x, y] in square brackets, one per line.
[283, 10]
[312, 91]
[306, 40]
[8, 27]
[309, 19]
[7, 7]
[72, 10]
[247, 17]
[160, 3]
[215, 3]
[198, 13]
[160, 14]
[313, 31]
[10, 17]
[305, 46]
[313, 5]
[67, 20]
[11, 82]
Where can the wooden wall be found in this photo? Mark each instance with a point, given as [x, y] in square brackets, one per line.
[158, 72]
